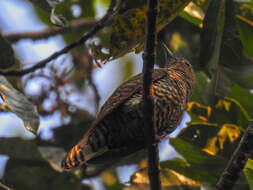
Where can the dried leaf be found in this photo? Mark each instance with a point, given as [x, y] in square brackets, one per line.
[16, 102]
[128, 29]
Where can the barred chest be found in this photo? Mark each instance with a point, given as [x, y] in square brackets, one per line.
[168, 104]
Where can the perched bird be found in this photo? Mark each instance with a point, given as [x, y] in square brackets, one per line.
[118, 129]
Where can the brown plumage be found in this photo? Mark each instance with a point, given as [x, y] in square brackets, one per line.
[118, 129]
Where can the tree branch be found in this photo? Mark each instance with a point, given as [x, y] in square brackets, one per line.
[148, 107]
[4, 187]
[98, 26]
[237, 162]
[76, 25]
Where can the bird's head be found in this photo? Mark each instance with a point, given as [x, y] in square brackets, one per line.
[181, 66]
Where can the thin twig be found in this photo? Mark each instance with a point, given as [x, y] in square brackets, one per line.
[93, 86]
[237, 162]
[74, 26]
[148, 107]
[99, 25]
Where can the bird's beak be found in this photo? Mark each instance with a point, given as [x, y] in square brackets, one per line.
[168, 52]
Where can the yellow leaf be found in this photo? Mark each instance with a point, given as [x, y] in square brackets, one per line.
[223, 104]
[211, 147]
[227, 131]
[191, 105]
[168, 178]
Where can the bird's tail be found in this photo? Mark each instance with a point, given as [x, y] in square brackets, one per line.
[78, 155]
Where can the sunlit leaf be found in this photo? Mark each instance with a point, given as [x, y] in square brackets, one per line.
[169, 178]
[227, 132]
[16, 102]
[7, 58]
[193, 14]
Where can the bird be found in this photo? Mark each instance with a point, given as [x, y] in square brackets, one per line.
[118, 129]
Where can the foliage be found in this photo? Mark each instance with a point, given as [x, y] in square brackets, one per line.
[216, 36]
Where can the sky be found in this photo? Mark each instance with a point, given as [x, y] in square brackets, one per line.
[29, 52]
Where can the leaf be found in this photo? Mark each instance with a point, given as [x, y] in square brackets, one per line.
[169, 178]
[7, 58]
[57, 20]
[128, 29]
[244, 97]
[26, 168]
[193, 14]
[29, 175]
[199, 160]
[201, 82]
[248, 172]
[192, 171]
[244, 16]
[215, 144]
[18, 148]
[241, 74]
[211, 35]
[219, 87]
[227, 110]
[16, 102]
[53, 155]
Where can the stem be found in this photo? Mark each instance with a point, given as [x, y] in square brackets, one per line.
[237, 162]
[148, 107]
[100, 25]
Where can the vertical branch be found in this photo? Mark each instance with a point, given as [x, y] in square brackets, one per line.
[148, 107]
[237, 162]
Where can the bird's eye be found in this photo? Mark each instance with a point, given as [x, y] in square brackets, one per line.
[187, 63]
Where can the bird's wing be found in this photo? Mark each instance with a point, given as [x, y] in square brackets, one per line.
[126, 90]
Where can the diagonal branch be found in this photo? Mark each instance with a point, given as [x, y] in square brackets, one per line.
[237, 162]
[77, 25]
[148, 107]
[99, 25]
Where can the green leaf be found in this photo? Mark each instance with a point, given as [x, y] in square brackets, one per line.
[244, 97]
[199, 160]
[241, 74]
[201, 82]
[40, 176]
[7, 58]
[248, 172]
[211, 35]
[219, 87]
[192, 171]
[16, 102]
[245, 25]
[18, 148]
